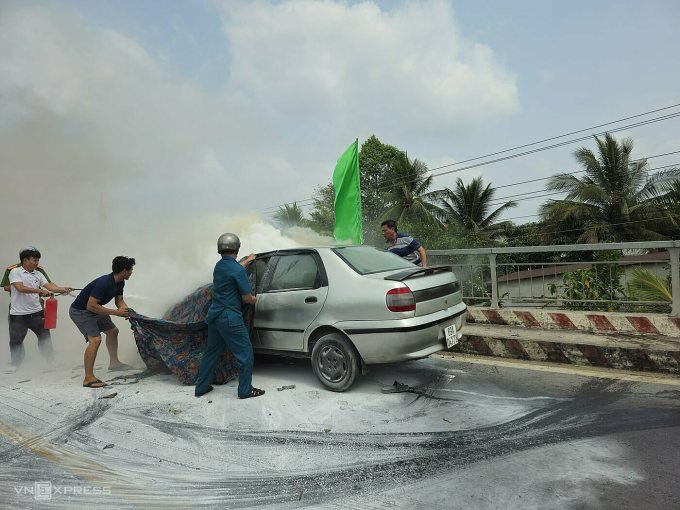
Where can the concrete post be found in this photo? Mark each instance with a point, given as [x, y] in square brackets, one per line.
[494, 281]
[675, 280]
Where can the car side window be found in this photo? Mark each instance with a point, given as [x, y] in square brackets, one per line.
[295, 272]
[260, 267]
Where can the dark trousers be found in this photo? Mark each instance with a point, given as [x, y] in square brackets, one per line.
[222, 334]
[18, 328]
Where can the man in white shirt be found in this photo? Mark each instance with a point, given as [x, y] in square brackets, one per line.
[25, 310]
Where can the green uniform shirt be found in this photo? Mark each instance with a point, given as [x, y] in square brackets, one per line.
[5, 278]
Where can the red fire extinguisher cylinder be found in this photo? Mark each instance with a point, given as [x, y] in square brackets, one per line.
[50, 313]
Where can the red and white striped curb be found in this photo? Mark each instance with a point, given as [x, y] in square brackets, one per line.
[581, 354]
[604, 322]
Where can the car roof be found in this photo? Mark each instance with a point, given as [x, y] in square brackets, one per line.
[307, 249]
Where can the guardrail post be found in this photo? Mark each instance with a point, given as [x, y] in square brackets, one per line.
[494, 281]
[675, 280]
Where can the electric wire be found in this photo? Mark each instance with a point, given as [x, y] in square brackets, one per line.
[512, 156]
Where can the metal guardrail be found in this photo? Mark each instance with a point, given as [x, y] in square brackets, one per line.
[483, 277]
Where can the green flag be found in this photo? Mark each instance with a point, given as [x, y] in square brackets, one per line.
[347, 203]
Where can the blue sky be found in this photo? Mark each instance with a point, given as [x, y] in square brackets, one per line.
[209, 107]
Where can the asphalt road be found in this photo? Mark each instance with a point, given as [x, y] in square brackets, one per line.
[463, 435]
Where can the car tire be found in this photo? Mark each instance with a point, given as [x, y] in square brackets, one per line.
[336, 362]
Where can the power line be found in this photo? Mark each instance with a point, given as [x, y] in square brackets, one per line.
[505, 158]
[583, 171]
[552, 233]
[556, 232]
[560, 136]
[495, 201]
[502, 199]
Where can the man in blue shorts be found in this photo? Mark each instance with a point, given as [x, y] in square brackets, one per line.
[92, 318]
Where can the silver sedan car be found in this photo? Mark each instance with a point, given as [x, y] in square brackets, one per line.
[349, 307]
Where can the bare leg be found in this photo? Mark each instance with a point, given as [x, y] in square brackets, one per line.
[112, 346]
[90, 356]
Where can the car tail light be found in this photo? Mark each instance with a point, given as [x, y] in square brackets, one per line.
[401, 300]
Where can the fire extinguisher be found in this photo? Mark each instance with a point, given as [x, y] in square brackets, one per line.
[50, 312]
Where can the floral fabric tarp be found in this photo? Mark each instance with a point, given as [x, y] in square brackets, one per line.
[177, 341]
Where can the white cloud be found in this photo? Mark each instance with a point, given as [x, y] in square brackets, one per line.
[357, 68]
[85, 109]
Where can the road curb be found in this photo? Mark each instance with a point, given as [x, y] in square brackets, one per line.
[605, 322]
[573, 352]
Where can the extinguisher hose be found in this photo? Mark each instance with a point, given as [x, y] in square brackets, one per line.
[62, 293]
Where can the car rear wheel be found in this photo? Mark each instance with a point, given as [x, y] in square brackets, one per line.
[335, 362]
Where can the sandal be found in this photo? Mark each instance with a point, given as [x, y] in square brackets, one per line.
[95, 384]
[255, 392]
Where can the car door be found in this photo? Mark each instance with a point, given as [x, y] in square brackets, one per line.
[294, 291]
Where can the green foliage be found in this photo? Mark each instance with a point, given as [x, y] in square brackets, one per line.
[374, 163]
[322, 217]
[467, 208]
[289, 216]
[616, 200]
[602, 282]
[408, 197]
[643, 285]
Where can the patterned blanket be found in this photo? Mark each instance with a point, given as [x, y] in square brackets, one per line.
[177, 341]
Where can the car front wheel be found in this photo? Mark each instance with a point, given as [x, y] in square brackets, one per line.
[335, 362]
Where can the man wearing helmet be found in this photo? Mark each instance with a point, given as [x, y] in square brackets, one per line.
[226, 327]
[27, 285]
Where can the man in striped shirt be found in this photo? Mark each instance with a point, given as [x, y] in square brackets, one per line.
[403, 244]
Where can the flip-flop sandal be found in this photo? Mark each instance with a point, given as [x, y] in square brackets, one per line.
[98, 383]
[255, 392]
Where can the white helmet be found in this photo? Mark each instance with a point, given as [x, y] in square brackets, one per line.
[228, 242]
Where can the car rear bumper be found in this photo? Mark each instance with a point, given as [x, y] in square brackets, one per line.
[403, 339]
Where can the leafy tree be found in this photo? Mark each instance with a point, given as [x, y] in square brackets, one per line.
[289, 216]
[617, 200]
[467, 208]
[374, 164]
[595, 285]
[408, 195]
[322, 217]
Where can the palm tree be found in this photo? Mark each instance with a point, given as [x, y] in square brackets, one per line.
[289, 216]
[407, 192]
[644, 285]
[467, 209]
[616, 200]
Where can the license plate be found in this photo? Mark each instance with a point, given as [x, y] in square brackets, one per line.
[451, 336]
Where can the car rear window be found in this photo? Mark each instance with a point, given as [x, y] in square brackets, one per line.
[367, 260]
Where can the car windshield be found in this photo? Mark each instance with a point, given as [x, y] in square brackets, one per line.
[367, 260]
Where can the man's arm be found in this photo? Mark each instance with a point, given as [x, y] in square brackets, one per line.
[120, 303]
[94, 307]
[20, 287]
[249, 299]
[56, 288]
[248, 260]
[423, 256]
[244, 286]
